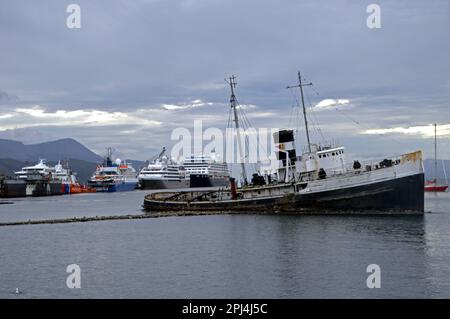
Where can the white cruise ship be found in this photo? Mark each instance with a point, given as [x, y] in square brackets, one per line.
[163, 173]
[206, 171]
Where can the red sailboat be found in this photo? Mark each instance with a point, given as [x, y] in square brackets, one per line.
[432, 185]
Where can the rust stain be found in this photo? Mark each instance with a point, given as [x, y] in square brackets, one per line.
[412, 157]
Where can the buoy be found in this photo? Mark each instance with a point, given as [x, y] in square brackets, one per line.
[18, 291]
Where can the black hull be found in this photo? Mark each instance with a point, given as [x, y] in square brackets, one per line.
[402, 195]
[47, 189]
[161, 184]
[198, 180]
[12, 188]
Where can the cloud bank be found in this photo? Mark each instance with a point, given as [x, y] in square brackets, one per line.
[136, 70]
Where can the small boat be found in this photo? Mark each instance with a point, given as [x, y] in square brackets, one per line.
[318, 181]
[433, 185]
[163, 173]
[114, 176]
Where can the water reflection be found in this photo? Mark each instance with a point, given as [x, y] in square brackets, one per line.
[327, 256]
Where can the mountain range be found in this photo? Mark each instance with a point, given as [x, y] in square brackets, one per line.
[62, 149]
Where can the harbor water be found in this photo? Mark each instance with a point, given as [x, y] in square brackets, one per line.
[224, 256]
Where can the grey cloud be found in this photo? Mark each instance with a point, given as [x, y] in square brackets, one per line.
[131, 55]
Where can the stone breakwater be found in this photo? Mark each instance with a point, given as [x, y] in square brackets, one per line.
[106, 218]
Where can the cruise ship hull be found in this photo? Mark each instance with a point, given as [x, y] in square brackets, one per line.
[200, 180]
[163, 184]
[43, 188]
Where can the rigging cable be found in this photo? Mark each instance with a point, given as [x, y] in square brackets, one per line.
[356, 122]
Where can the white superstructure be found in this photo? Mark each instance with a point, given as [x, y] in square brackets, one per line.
[40, 169]
[64, 175]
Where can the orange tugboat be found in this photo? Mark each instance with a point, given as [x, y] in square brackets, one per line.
[432, 185]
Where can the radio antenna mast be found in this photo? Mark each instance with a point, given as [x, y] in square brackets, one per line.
[301, 85]
[233, 103]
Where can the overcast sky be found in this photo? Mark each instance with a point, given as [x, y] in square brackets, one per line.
[136, 70]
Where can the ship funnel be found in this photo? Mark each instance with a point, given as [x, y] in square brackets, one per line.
[285, 146]
[285, 151]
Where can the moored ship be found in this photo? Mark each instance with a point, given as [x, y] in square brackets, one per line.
[163, 173]
[114, 176]
[317, 181]
[206, 171]
[40, 180]
[69, 181]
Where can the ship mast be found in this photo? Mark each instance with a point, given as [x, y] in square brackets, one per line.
[233, 103]
[109, 157]
[301, 85]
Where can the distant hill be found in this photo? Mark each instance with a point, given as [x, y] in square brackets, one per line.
[62, 149]
[8, 166]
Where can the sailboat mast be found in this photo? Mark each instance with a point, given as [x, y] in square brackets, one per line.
[435, 153]
[233, 103]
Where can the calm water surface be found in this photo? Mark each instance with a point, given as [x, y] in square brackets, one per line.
[242, 256]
